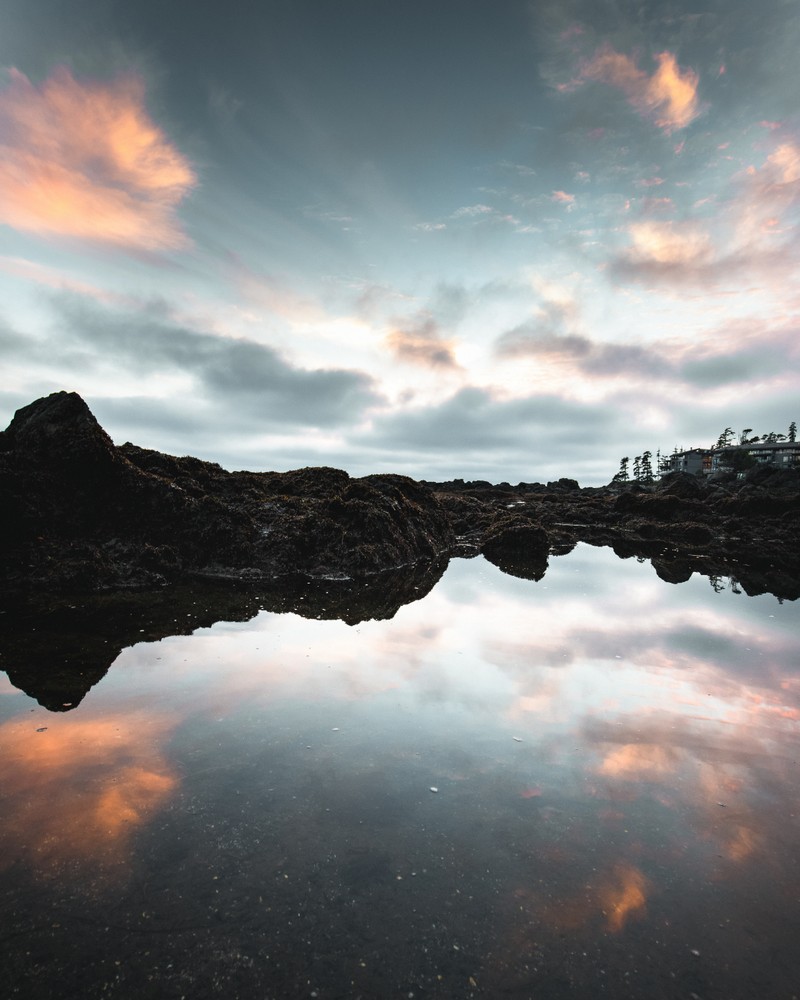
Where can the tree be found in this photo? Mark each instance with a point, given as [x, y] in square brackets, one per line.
[725, 438]
[622, 476]
[646, 468]
[743, 436]
[793, 431]
[738, 460]
[637, 467]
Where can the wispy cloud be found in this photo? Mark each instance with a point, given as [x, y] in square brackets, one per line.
[563, 198]
[754, 233]
[419, 341]
[668, 96]
[472, 211]
[726, 357]
[84, 159]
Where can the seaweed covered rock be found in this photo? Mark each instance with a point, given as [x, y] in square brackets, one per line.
[77, 512]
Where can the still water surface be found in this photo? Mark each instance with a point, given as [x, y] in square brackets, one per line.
[586, 786]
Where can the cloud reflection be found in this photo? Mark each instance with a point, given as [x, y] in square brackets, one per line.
[81, 788]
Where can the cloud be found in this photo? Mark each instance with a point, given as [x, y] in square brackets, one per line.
[669, 244]
[668, 97]
[563, 198]
[737, 353]
[753, 235]
[477, 418]
[250, 382]
[472, 211]
[419, 342]
[83, 159]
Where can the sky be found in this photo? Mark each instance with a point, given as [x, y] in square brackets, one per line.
[495, 240]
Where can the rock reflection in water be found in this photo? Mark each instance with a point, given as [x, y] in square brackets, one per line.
[57, 649]
[616, 813]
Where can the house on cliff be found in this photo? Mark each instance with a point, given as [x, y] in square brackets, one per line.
[695, 461]
[703, 461]
[781, 454]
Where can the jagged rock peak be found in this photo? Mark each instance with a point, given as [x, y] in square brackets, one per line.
[59, 426]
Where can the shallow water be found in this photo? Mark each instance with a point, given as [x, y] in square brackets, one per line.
[586, 786]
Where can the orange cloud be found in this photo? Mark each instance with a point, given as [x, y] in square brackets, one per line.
[635, 760]
[784, 164]
[667, 244]
[669, 96]
[616, 896]
[622, 896]
[83, 159]
[80, 789]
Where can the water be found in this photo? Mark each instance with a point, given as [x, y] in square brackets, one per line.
[249, 810]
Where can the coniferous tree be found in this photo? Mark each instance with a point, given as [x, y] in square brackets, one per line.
[622, 476]
[725, 438]
[793, 431]
[637, 467]
[646, 468]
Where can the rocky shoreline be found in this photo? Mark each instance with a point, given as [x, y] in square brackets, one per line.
[80, 514]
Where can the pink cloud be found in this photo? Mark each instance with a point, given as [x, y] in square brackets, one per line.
[83, 159]
[668, 96]
[418, 341]
[563, 198]
[668, 243]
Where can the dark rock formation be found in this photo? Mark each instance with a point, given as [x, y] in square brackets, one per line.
[746, 529]
[78, 513]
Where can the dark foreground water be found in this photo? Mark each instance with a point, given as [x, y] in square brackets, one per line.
[586, 786]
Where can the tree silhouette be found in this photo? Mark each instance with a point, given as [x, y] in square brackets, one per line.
[725, 438]
[622, 476]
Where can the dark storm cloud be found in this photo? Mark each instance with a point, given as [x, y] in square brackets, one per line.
[235, 374]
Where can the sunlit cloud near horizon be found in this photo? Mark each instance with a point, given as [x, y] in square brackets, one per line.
[569, 233]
